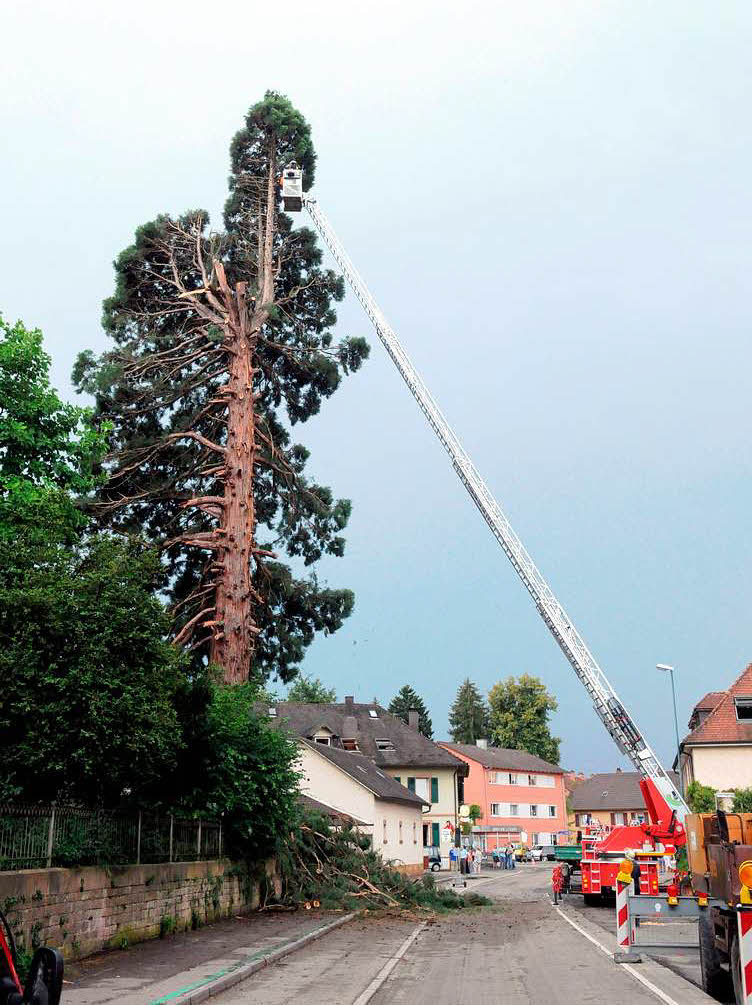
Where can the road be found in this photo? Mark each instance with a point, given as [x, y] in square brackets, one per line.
[521, 952]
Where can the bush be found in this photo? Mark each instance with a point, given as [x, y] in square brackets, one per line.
[701, 798]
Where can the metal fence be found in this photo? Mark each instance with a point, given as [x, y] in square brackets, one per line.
[33, 837]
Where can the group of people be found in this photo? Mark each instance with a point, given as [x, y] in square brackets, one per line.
[503, 858]
[470, 859]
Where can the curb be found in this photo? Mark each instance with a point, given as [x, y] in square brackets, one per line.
[245, 970]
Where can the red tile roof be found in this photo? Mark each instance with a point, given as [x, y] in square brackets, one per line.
[722, 726]
[710, 700]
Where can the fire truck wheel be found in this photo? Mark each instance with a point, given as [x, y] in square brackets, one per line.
[593, 899]
[736, 971]
[716, 981]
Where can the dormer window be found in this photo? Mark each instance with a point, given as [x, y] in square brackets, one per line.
[743, 709]
[384, 743]
[373, 713]
[349, 744]
[325, 741]
[272, 712]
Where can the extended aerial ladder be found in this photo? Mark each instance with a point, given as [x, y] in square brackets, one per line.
[606, 702]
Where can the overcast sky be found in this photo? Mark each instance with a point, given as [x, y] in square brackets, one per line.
[551, 203]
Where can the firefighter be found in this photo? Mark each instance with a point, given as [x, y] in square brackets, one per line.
[635, 872]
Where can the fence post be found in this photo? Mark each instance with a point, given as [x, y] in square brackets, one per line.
[171, 823]
[219, 855]
[138, 841]
[50, 837]
[198, 842]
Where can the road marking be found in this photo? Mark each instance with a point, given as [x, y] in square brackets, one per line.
[390, 964]
[624, 966]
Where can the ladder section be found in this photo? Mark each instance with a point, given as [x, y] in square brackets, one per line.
[608, 707]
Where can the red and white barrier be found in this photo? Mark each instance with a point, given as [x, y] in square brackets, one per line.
[622, 915]
[744, 921]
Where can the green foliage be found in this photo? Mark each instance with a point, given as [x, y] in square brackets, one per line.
[237, 765]
[48, 449]
[475, 812]
[700, 798]
[337, 868]
[298, 366]
[468, 716]
[518, 716]
[742, 801]
[311, 689]
[87, 707]
[405, 700]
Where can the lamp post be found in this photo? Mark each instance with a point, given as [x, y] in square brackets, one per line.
[670, 670]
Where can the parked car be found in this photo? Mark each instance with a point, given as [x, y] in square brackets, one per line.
[541, 852]
[433, 855]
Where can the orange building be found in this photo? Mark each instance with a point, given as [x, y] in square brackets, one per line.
[522, 796]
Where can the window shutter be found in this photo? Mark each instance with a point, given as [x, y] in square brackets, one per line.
[435, 837]
[411, 784]
[398, 779]
[434, 790]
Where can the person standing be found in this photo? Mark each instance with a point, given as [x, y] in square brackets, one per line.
[478, 860]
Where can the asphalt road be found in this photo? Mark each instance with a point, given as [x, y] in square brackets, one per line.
[520, 952]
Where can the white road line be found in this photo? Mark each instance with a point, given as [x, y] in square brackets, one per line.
[390, 964]
[624, 966]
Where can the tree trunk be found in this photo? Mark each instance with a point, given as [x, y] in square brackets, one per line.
[234, 626]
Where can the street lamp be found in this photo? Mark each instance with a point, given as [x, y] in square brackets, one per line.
[670, 670]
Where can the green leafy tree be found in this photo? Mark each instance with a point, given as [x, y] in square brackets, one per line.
[700, 798]
[475, 812]
[518, 716]
[48, 448]
[468, 716]
[88, 702]
[311, 689]
[244, 769]
[221, 342]
[742, 801]
[405, 700]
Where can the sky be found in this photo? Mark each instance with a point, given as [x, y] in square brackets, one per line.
[550, 201]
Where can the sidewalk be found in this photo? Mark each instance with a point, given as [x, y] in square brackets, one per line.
[189, 967]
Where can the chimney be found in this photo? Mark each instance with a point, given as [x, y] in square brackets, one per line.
[349, 699]
[483, 744]
[413, 718]
[349, 727]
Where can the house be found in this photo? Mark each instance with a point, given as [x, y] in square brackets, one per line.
[350, 788]
[522, 796]
[397, 748]
[718, 749]
[609, 798]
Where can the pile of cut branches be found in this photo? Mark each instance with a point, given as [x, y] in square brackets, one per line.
[335, 867]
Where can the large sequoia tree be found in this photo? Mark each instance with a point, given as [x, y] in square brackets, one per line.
[222, 340]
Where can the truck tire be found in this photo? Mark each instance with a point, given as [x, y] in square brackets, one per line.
[716, 981]
[736, 971]
[593, 899]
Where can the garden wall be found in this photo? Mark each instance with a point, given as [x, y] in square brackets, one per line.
[81, 911]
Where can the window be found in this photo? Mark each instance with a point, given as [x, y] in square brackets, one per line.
[435, 836]
[496, 810]
[385, 831]
[272, 712]
[743, 708]
[421, 788]
[323, 740]
[411, 784]
[617, 819]
[400, 832]
[383, 743]
[398, 779]
[552, 811]
[532, 779]
[577, 820]
[349, 744]
[512, 778]
[514, 810]
[434, 790]
[533, 810]
[547, 781]
[373, 713]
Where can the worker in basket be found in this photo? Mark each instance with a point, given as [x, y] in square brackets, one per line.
[44, 981]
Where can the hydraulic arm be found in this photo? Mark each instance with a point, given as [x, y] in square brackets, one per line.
[606, 702]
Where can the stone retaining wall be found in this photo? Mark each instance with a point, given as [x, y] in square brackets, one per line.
[81, 911]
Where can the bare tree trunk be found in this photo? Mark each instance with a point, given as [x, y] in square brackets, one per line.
[234, 625]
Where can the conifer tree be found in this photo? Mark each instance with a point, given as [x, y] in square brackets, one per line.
[405, 700]
[221, 341]
[468, 716]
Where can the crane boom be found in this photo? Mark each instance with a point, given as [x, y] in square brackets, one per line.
[608, 707]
